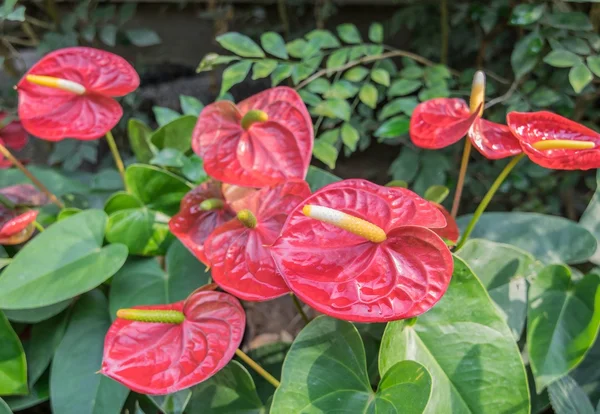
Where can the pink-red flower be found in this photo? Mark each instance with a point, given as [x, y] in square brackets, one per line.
[69, 93]
[157, 357]
[263, 140]
[16, 223]
[12, 136]
[441, 122]
[553, 141]
[451, 231]
[238, 251]
[361, 252]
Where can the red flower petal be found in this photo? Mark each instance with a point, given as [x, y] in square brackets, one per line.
[54, 114]
[348, 277]
[241, 261]
[441, 122]
[192, 225]
[530, 128]
[268, 152]
[160, 358]
[24, 195]
[451, 231]
[494, 141]
[13, 135]
[16, 228]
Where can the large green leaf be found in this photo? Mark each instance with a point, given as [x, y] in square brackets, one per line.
[13, 367]
[568, 398]
[64, 261]
[158, 189]
[75, 387]
[56, 182]
[562, 322]
[4, 408]
[550, 239]
[145, 232]
[473, 359]
[39, 393]
[503, 270]
[175, 403]
[318, 178]
[36, 315]
[269, 356]
[177, 134]
[139, 139]
[325, 371]
[591, 218]
[229, 391]
[587, 373]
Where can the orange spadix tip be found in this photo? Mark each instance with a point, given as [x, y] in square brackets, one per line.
[565, 144]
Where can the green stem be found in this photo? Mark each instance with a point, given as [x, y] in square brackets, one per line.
[299, 308]
[461, 177]
[117, 157]
[487, 198]
[38, 226]
[259, 370]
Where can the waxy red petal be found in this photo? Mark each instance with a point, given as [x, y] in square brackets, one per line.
[438, 123]
[494, 141]
[530, 128]
[451, 231]
[268, 152]
[192, 225]
[25, 195]
[240, 257]
[54, 114]
[12, 136]
[348, 277]
[15, 227]
[159, 358]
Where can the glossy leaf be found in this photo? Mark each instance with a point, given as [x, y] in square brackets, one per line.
[35, 315]
[526, 53]
[381, 76]
[234, 75]
[562, 59]
[568, 398]
[176, 134]
[57, 183]
[402, 87]
[376, 32]
[399, 105]
[337, 59]
[240, 44]
[324, 37]
[38, 393]
[393, 127]
[550, 239]
[164, 115]
[525, 14]
[580, 76]
[349, 33]
[594, 64]
[350, 136]
[318, 178]
[263, 68]
[65, 269]
[477, 367]
[274, 44]
[75, 387]
[591, 218]
[44, 340]
[562, 322]
[142, 37]
[4, 408]
[368, 95]
[356, 74]
[143, 231]
[190, 105]
[436, 193]
[325, 371]
[333, 108]
[13, 367]
[503, 270]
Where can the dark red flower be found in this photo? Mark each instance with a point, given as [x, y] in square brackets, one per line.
[12, 136]
[441, 122]
[16, 227]
[379, 262]
[238, 250]
[264, 140]
[69, 93]
[553, 141]
[451, 231]
[162, 358]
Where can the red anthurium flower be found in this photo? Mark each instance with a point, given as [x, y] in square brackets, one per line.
[165, 348]
[238, 251]
[24, 195]
[15, 227]
[69, 93]
[361, 252]
[12, 136]
[441, 122]
[263, 140]
[555, 142]
[450, 232]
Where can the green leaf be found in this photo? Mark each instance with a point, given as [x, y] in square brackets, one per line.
[108, 35]
[341, 90]
[143, 282]
[398, 105]
[567, 397]
[577, 21]
[175, 403]
[349, 33]
[176, 134]
[309, 98]
[75, 388]
[550, 239]
[157, 189]
[525, 14]
[318, 178]
[426, 94]
[193, 169]
[164, 115]
[544, 96]
[231, 390]
[211, 60]
[234, 74]
[143, 37]
[577, 45]
[503, 270]
[297, 48]
[44, 340]
[350, 136]
[412, 72]
[397, 183]
[325, 371]
[190, 105]
[319, 85]
[526, 54]
[38, 394]
[4, 408]
[368, 95]
[437, 193]
[145, 232]
[579, 77]
[126, 12]
[169, 157]
[403, 87]
[56, 182]
[325, 38]
[325, 152]
[594, 64]
[562, 59]
[63, 270]
[241, 45]
[376, 32]
[270, 356]
[337, 59]
[330, 136]
[139, 139]
[562, 322]
[591, 218]
[263, 68]
[306, 68]
[13, 366]
[283, 71]
[356, 74]
[393, 128]
[381, 76]
[333, 108]
[468, 349]
[405, 166]
[36, 315]
[274, 44]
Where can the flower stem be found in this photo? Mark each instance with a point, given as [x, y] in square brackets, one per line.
[117, 157]
[461, 177]
[259, 370]
[487, 198]
[31, 177]
[299, 308]
[38, 226]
